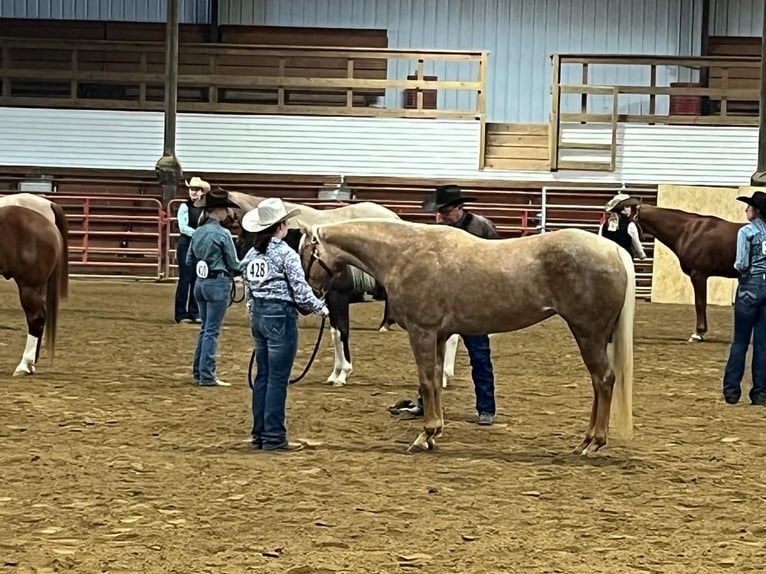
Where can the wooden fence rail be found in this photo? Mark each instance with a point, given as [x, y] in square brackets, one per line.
[230, 78]
[727, 94]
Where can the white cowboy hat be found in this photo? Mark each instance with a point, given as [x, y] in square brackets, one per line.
[619, 201]
[198, 183]
[270, 211]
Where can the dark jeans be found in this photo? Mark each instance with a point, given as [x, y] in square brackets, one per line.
[749, 318]
[480, 356]
[186, 303]
[274, 325]
[213, 299]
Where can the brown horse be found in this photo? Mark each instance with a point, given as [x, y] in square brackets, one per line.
[34, 254]
[442, 280]
[705, 245]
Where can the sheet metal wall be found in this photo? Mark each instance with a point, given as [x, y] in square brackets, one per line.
[191, 11]
[519, 34]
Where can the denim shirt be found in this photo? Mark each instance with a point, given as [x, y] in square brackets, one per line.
[213, 243]
[751, 248]
[278, 274]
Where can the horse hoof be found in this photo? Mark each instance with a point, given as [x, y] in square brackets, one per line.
[23, 371]
[696, 338]
[383, 330]
[338, 383]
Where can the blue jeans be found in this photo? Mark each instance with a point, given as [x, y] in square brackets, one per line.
[479, 354]
[274, 325]
[749, 318]
[212, 298]
[185, 303]
[481, 371]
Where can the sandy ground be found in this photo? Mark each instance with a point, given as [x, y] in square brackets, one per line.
[112, 462]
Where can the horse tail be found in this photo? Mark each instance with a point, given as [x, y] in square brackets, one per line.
[63, 227]
[622, 339]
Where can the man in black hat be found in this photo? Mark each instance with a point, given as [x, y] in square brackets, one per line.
[447, 203]
[749, 305]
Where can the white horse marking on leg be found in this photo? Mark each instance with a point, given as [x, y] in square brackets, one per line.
[27, 364]
[450, 352]
[342, 367]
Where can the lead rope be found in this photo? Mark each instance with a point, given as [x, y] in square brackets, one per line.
[305, 369]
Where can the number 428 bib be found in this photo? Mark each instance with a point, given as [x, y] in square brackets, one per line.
[257, 270]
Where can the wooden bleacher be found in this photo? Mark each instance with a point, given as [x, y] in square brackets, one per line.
[735, 78]
[223, 58]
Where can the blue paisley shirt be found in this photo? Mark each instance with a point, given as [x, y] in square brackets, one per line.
[751, 248]
[277, 274]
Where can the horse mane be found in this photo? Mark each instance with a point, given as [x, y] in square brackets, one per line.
[683, 213]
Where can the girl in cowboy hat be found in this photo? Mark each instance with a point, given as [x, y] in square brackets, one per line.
[275, 287]
[214, 258]
[749, 305]
[620, 227]
[186, 310]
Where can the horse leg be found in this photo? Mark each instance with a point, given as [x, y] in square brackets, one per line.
[338, 304]
[595, 354]
[699, 283]
[450, 353]
[33, 303]
[387, 321]
[428, 353]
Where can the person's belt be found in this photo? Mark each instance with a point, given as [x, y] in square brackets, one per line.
[756, 276]
[217, 274]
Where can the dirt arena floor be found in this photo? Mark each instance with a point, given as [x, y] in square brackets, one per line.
[110, 461]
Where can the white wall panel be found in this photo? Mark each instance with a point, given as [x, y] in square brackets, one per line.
[354, 146]
[238, 143]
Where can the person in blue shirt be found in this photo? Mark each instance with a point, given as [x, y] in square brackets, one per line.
[214, 258]
[749, 305]
[275, 289]
[186, 310]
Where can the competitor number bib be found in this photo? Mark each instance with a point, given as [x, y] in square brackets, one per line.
[202, 269]
[257, 270]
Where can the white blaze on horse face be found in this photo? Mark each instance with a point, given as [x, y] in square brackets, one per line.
[342, 367]
[27, 364]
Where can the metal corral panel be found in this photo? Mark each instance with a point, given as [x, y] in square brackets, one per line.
[191, 11]
[519, 34]
[736, 17]
[239, 143]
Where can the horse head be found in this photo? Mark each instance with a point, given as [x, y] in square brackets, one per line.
[320, 263]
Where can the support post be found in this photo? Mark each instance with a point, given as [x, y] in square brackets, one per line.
[168, 168]
[759, 177]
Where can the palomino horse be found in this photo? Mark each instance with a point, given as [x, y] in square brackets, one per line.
[705, 245]
[348, 287]
[586, 279]
[34, 253]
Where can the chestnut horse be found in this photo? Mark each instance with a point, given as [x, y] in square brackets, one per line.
[34, 253]
[478, 286]
[706, 246]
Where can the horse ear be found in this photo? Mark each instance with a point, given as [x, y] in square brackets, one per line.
[305, 229]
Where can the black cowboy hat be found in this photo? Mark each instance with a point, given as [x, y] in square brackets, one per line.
[215, 198]
[757, 200]
[445, 196]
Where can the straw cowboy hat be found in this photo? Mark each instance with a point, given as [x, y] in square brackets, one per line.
[269, 212]
[757, 200]
[445, 196]
[198, 183]
[215, 198]
[621, 200]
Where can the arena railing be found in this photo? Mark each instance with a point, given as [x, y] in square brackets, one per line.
[583, 207]
[114, 236]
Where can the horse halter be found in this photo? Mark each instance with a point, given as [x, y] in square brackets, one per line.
[330, 275]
